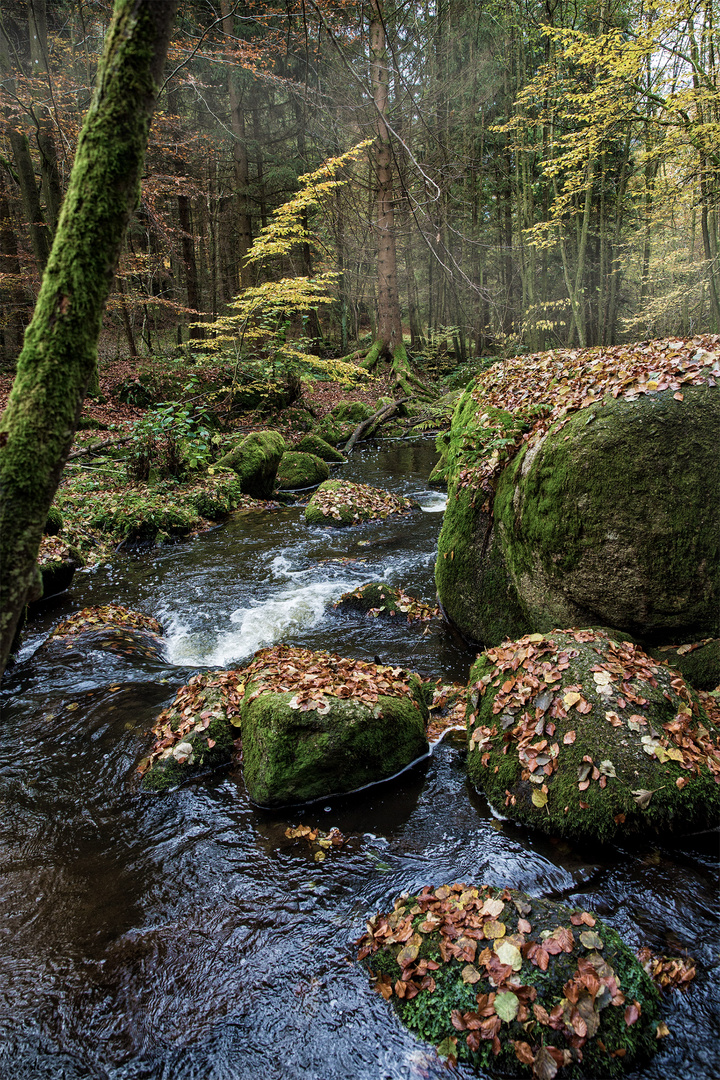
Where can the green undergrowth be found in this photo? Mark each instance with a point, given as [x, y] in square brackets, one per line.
[98, 514]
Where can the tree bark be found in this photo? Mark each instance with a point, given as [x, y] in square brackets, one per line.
[240, 161]
[60, 352]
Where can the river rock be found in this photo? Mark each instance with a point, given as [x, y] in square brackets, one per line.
[110, 627]
[582, 736]
[512, 984]
[299, 470]
[255, 459]
[607, 515]
[377, 598]
[340, 502]
[58, 562]
[333, 431]
[315, 725]
[312, 444]
[195, 734]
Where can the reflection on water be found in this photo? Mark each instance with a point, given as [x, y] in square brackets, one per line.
[187, 936]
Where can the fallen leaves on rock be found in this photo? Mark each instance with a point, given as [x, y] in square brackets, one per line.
[376, 599]
[110, 615]
[345, 502]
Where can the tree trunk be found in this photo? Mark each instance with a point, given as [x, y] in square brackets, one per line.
[49, 171]
[240, 160]
[60, 352]
[13, 295]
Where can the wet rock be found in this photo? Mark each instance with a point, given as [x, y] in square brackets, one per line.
[314, 724]
[379, 599]
[195, 734]
[514, 985]
[57, 562]
[255, 460]
[610, 517]
[340, 502]
[300, 470]
[579, 735]
[312, 444]
[698, 661]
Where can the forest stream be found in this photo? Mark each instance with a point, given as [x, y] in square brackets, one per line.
[186, 936]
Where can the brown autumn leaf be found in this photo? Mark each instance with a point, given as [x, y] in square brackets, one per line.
[523, 1052]
[569, 738]
[544, 1066]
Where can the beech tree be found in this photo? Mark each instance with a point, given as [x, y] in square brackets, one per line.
[59, 357]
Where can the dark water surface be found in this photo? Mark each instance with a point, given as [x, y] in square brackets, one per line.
[185, 936]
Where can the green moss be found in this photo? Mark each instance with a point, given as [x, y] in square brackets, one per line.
[255, 460]
[300, 470]
[167, 772]
[290, 756]
[352, 411]
[586, 811]
[54, 522]
[312, 444]
[430, 1012]
[700, 665]
[333, 431]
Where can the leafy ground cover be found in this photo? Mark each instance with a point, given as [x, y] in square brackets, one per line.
[515, 985]
[517, 400]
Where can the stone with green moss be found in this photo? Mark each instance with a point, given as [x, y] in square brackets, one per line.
[194, 735]
[300, 470]
[580, 735]
[332, 431]
[353, 411]
[611, 517]
[255, 460]
[342, 502]
[512, 984]
[315, 725]
[377, 598]
[54, 522]
[698, 662]
[311, 444]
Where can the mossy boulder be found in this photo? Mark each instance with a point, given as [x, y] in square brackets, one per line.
[311, 444]
[57, 562]
[512, 984]
[300, 470]
[698, 662]
[376, 598]
[54, 522]
[352, 411]
[610, 517]
[255, 460]
[108, 627]
[341, 502]
[315, 725]
[195, 734]
[579, 735]
[333, 431]
[438, 477]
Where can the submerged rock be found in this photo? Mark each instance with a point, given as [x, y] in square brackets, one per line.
[300, 470]
[110, 627]
[314, 724]
[515, 985]
[377, 598]
[582, 736]
[340, 502]
[255, 460]
[312, 444]
[592, 498]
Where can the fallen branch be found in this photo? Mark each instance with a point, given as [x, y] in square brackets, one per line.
[99, 446]
[373, 422]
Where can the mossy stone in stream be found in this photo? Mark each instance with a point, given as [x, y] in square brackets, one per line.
[341, 502]
[194, 735]
[315, 725]
[514, 985]
[299, 470]
[255, 460]
[579, 735]
[333, 431]
[378, 598]
[353, 411]
[312, 444]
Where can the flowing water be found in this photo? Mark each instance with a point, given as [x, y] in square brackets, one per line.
[185, 936]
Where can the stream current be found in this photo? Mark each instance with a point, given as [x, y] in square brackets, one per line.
[185, 936]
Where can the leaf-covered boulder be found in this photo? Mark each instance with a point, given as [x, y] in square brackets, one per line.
[300, 470]
[584, 489]
[58, 562]
[579, 735]
[697, 661]
[195, 734]
[514, 985]
[341, 502]
[376, 598]
[110, 627]
[255, 460]
[312, 444]
[314, 724]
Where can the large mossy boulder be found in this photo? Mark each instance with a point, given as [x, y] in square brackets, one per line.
[312, 444]
[353, 412]
[315, 725]
[195, 734]
[512, 984]
[582, 736]
[583, 491]
[333, 431]
[341, 502]
[299, 470]
[255, 460]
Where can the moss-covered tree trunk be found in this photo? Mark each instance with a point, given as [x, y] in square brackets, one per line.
[60, 352]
